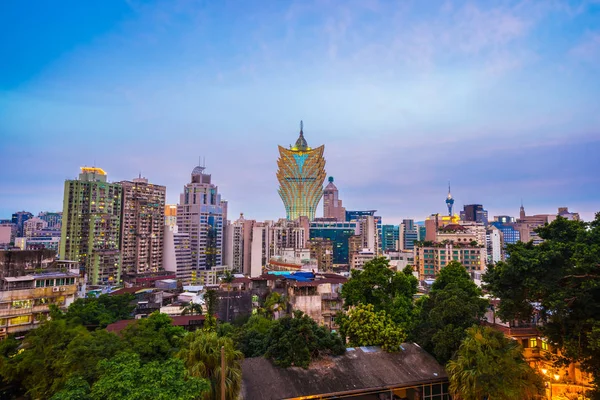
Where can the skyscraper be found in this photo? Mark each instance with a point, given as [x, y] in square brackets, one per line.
[91, 225]
[142, 222]
[301, 175]
[390, 236]
[201, 214]
[332, 205]
[19, 218]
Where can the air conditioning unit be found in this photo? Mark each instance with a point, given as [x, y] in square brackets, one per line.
[55, 289]
[62, 289]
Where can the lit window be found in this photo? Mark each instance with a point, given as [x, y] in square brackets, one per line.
[544, 345]
[532, 342]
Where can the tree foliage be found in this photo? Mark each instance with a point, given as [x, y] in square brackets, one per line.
[453, 305]
[561, 278]
[251, 338]
[365, 327]
[100, 311]
[298, 339]
[383, 288]
[490, 366]
[125, 377]
[153, 338]
[201, 355]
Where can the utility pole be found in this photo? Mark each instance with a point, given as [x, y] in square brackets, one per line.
[222, 372]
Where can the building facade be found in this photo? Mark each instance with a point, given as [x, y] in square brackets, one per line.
[91, 227]
[54, 219]
[301, 173]
[430, 259]
[322, 251]
[142, 226]
[201, 214]
[332, 205]
[19, 218]
[339, 234]
[177, 255]
[390, 237]
[409, 234]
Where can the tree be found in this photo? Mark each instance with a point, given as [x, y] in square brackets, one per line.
[298, 339]
[100, 311]
[192, 308]
[211, 300]
[125, 377]
[251, 338]
[364, 327]
[490, 366]
[384, 288]
[274, 303]
[454, 304]
[201, 355]
[561, 277]
[153, 338]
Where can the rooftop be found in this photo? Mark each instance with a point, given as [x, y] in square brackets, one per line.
[359, 369]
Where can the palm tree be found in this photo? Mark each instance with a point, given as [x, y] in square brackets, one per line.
[192, 308]
[201, 354]
[490, 366]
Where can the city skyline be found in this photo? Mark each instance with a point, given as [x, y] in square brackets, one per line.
[497, 97]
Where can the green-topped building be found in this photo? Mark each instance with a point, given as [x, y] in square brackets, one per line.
[301, 175]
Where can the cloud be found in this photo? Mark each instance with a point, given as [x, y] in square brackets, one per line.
[588, 49]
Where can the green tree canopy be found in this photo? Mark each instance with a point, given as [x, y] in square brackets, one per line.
[100, 311]
[125, 377]
[490, 366]
[298, 339]
[201, 354]
[153, 338]
[453, 304]
[561, 277]
[251, 338]
[365, 327]
[383, 288]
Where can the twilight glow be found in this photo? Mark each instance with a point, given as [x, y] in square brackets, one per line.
[499, 97]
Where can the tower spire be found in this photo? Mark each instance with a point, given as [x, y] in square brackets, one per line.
[449, 201]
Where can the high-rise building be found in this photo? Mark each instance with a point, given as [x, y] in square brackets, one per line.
[332, 205]
[370, 228]
[301, 173]
[339, 234]
[409, 234]
[142, 226]
[474, 213]
[390, 237]
[91, 226]
[19, 218]
[528, 224]
[171, 214]
[201, 214]
[33, 225]
[177, 255]
[54, 219]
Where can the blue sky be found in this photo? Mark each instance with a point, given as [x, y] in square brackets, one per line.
[500, 97]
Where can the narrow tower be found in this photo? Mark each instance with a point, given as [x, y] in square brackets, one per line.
[301, 175]
[449, 201]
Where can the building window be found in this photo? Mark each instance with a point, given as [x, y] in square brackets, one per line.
[544, 345]
[23, 319]
[532, 342]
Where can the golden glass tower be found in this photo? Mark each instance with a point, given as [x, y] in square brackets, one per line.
[301, 175]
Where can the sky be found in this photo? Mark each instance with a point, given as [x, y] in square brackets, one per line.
[502, 98]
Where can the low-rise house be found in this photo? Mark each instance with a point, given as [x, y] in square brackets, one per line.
[361, 373]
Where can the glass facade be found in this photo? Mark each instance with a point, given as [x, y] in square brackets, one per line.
[338, 233]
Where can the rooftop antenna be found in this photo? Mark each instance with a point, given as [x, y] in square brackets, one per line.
[203, 162]
[301, 125]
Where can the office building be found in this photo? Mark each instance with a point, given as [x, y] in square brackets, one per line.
[339, 234]
[19, 218]
[54, 219]
[474, 213]
[390, 237]
[301, 173]
[369, 227]
[510, 234]
[528, 224]
[142, 227]
[408, 234]
[91, 226]
[201, 214]
[332, 205]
